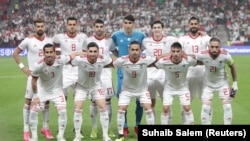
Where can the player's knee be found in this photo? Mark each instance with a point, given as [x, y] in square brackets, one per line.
[62, 112]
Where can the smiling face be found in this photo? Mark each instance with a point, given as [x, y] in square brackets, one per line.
[157, 30]
[92, 54]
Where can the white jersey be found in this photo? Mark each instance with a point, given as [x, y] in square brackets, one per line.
[215, 71]
[134, 74]
[89, 75]
[194, 45]
[68, 44]
[105, 46]
[155, 48]
[34, 47]
[50, 77]
[175, 74]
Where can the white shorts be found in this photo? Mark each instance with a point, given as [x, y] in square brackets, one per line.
[125, 97]
[29, 91]
[81, 93]
[195, 78]
[184, 97]
[107, 86]
[155, 85]
[56, 97]
[69, 81]
[208, 92]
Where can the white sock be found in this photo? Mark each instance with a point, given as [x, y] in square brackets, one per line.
[170, 114]
[183, 117]
[150, 117]
[62, 121]
[165, 118]
[26, 116]
[189, 117]
[153, 110]
[120, 121]
[33, 122]
[45, 113]
[109, 108]
[205, 118]
[78, 121]
[227, 114]
[104, 118]
[93, 115]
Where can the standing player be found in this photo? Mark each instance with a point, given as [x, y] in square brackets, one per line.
[67, 43]
[47, 86]
[105, 46]
[134, 84]
[89, 83]
[194, 42]
[34, 46]
[122, 40]
[155, 46]
[216, 79]
[176, 68]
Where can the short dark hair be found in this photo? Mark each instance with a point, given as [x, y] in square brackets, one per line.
[71, 19]
[99, 21]
[176, 45]
[193, 18]
[92, 44]
[129, 18]
[39, 21]
[48, 45]
[157, 22]
[134, 43]
[214, 39]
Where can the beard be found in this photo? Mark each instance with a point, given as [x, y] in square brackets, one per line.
[193, 30]
[40, 33]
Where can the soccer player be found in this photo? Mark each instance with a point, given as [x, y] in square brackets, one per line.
[122, 40]
[155, 46]
[89, 83]
[66, 43]
[176, 68]
[47, 86]
[194, 42]
[105, 46]
[34, 46]
[134, 84]
[216, 79]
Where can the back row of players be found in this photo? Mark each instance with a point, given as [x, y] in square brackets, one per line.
[198, 83]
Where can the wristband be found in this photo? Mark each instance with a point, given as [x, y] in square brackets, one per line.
[21, 65]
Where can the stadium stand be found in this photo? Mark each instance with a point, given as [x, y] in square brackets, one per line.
[226, 19]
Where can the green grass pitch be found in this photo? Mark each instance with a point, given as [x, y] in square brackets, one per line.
[13, 82]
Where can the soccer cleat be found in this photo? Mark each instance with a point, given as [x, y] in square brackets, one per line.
[106, 139]
[93, 133]
[47, 133]
[110, 133]
[125, 131]
[120, 138]
[80, 132]
[136, 131]
[77, 138]
[60, 138]
[26, 136]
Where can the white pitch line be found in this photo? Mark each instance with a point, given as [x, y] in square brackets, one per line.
[12, 76]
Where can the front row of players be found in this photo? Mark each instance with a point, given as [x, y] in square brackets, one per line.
[175, 65]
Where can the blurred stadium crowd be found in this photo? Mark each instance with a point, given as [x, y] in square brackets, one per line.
[17, 16]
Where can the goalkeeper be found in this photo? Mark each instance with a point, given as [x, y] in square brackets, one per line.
[216, 79]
